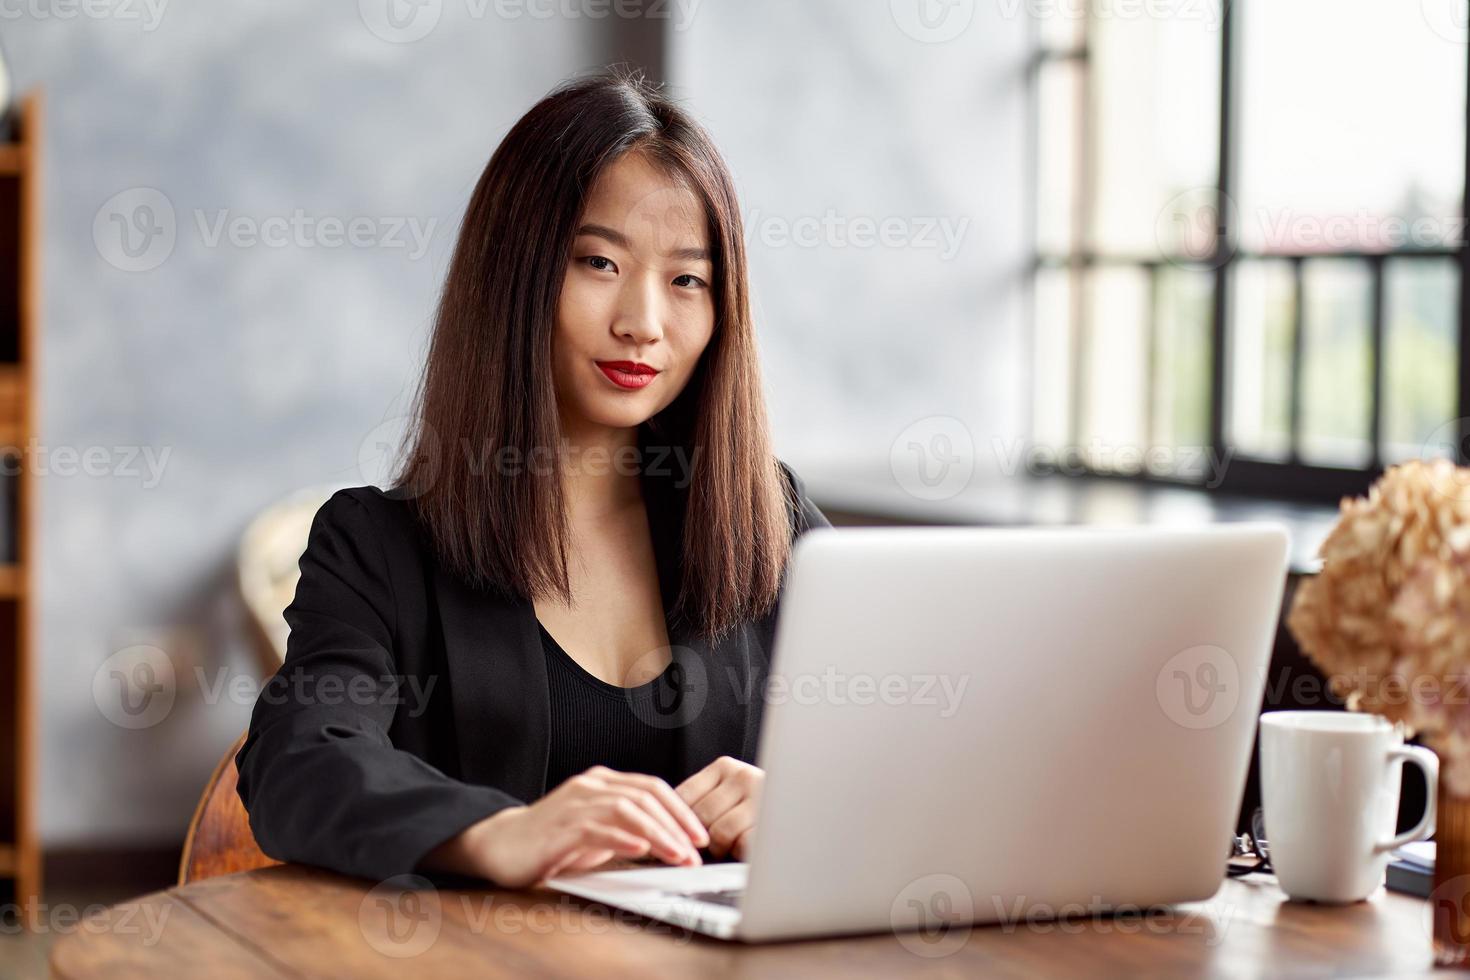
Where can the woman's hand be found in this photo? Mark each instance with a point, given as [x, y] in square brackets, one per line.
[590, 818]
[725, 796]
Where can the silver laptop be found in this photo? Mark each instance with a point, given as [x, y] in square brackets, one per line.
[981, 725]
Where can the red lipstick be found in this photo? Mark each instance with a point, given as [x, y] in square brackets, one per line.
[628, 374]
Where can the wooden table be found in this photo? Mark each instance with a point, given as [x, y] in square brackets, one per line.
[294, 921]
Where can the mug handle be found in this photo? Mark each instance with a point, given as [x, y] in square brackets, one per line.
[1429, 762]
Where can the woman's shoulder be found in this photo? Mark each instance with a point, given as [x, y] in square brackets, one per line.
[371, 514]
[802, 510]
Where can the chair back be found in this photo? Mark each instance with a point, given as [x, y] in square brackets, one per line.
[219, 841]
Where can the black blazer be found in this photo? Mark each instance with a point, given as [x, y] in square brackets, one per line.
[411, 705]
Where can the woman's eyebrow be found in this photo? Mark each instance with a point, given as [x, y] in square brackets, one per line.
[612, 235]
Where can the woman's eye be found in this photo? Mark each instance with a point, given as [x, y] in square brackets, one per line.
[600, 263]
[692, 282]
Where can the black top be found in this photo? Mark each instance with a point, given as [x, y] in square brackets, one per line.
[412, 704]
[597, 723]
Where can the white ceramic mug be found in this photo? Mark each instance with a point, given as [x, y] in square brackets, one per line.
[1330, 791]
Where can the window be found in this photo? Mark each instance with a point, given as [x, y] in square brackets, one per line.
[1250, 239]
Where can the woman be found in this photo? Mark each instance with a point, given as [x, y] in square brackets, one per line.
[546, 646]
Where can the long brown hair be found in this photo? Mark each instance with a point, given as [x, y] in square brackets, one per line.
[486, 398]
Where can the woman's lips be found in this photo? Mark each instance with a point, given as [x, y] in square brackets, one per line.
[627, 374]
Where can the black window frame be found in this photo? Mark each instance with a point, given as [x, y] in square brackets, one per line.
[1291, 479]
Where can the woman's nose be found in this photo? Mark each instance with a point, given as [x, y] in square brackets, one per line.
[640, 311]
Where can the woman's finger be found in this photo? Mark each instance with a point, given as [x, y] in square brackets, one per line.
[617, 809]
[592, 845]
[718, 802]
[693, 789]
[672, 803]
[727, 829]
[654, 807]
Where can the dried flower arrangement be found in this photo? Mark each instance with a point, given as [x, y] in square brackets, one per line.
[1388, 617]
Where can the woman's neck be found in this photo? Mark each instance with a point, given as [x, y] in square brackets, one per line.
[600, 469]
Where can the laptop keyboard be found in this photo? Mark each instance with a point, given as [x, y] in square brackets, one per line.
[723, 896]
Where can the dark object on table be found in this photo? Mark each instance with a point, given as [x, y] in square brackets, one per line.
[1409, 878]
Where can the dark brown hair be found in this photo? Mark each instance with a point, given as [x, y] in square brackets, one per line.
[487, 392]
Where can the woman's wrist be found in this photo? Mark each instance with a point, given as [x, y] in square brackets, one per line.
[469, 852]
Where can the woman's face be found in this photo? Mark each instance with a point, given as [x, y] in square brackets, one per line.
[636, 307]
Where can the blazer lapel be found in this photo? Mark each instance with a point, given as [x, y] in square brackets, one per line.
[498, 687]
[709, 718]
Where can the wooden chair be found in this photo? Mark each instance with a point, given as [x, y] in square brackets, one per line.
[219, 841]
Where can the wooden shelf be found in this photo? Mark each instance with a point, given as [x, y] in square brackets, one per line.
[20, 300]
[12, 581]
[12, 407]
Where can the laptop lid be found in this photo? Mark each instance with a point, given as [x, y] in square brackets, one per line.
[981, 724]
